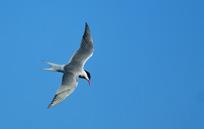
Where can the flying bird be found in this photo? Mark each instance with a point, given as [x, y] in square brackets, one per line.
[73, 70]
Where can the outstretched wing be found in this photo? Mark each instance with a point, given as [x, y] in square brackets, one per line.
[86, 48]
[69, 84]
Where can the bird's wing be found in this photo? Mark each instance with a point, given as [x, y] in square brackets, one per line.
[69, 84]
[86, 48]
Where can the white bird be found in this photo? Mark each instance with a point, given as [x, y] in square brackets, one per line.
[74, 69]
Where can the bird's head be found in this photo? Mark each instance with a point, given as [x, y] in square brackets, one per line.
[86, 75]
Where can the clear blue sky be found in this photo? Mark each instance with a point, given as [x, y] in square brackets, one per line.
[147, 69]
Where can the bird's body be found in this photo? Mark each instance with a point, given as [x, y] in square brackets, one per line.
[74, 69]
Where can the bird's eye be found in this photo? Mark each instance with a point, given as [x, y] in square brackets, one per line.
[81, 77]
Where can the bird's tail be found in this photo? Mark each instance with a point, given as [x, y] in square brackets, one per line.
[54, 67]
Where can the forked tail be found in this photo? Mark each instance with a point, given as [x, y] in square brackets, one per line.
[54, 67]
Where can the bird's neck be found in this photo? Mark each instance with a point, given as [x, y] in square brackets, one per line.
[83, 75]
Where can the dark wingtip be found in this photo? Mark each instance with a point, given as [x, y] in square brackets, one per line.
[49, 106]
[86, 24]
[87, 27]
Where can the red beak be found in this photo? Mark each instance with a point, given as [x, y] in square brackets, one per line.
[89, 82]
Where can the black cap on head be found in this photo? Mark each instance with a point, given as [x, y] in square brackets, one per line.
[88, 74]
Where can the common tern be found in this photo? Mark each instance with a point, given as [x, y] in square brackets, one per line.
[73, 70]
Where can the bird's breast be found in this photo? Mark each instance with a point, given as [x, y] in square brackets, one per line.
[75, 69]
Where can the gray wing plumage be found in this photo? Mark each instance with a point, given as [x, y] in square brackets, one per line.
[86, 48]
[70, 77]
[69, 84]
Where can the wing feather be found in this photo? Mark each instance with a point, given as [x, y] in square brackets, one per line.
[69, 84]
[86, 48]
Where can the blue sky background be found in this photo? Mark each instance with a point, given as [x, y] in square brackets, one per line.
[147, 69]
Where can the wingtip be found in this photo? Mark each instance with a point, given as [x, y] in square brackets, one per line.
[86, 24]
[87, 27]
[50, 106]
